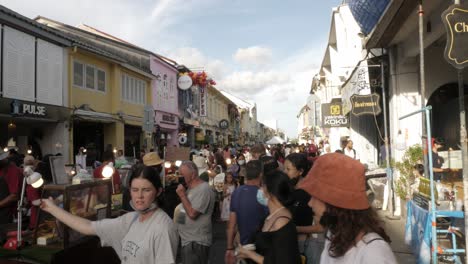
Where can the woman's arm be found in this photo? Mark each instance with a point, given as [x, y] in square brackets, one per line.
[77, 223]
[317, 228]
[244, 253]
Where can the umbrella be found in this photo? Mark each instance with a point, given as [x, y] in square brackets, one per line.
[275, 140]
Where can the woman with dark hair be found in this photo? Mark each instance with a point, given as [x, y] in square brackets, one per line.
[354, 234]
[220, 161]
[310, 235]
[277, 243]
[147, 235]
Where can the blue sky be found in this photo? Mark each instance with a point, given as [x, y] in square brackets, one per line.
[260, 50]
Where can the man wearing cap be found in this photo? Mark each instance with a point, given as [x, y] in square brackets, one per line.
[336, 184]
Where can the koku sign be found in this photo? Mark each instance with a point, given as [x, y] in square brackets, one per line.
[365, 104]
[455, 19]
[31, 109]
[332, 115]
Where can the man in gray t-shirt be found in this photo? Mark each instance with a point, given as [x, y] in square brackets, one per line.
[193, 215]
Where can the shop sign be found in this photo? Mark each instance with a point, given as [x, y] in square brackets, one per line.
[365, 104]
[203, 99]
[184, 82]
[332, 115]
[455, 19]
[21, 108]
[358, 84]
[168, 119]
[223, 124]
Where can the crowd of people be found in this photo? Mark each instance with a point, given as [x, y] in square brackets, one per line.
[281, 204]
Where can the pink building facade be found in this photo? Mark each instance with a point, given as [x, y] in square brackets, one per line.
[164, 95]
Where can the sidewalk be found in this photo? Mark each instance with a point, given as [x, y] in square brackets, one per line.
[396, 230]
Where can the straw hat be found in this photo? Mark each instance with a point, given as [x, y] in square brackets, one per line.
[152, 159]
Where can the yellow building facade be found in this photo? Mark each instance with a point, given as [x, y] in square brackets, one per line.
[108, 99]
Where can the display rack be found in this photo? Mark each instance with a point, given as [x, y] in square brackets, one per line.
[91, 200]
[434, 213]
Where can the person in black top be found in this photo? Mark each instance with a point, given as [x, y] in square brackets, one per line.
[310, 237]
[277, 242]
[437, 161]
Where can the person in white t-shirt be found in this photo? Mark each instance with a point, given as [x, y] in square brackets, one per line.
[147, 235]
[355, 234]
[350, 151]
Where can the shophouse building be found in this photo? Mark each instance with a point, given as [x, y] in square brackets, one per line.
[34, 106]
[344, 72]
[108, 90]
[247, 119]
[397, 33]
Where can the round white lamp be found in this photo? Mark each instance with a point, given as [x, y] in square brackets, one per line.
[167, 164]
[108, 170]
[178, 163]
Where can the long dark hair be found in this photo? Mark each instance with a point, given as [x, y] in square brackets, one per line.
[300, 162]
[346, 224]
[277, 184]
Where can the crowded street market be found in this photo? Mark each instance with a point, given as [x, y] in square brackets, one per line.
[237, 132]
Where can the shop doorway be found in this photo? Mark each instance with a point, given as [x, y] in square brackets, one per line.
[132, 141]
[91, 136]
[445, 118]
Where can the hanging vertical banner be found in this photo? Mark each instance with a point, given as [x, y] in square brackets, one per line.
[203, 99]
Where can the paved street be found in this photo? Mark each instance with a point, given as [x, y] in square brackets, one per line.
[394, 228]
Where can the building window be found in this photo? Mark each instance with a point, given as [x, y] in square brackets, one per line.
[133, 90]
[101, 80]
[78, 74]
[89, 76]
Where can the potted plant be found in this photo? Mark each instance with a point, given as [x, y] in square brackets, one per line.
[412, 156]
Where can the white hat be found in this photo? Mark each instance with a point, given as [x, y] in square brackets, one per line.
[4, 156]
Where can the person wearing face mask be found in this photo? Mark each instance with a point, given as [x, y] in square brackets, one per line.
[193, 215]
[242, 169]
[310, 234]
[277, 242]
[354, 232]
[147, 235]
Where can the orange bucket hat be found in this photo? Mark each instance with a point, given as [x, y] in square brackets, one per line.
[338, 180]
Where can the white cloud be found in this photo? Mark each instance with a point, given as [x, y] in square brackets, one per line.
[255, 55]
[195, 60]
[252, 83]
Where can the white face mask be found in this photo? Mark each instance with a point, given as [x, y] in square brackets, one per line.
[241, 162]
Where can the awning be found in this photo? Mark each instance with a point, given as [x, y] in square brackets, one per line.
[358, 83]
[94, 116]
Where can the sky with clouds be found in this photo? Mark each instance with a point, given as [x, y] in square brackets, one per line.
[263, 50]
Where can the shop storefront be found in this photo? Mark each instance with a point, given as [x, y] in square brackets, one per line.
[41, 128]
[169, 126]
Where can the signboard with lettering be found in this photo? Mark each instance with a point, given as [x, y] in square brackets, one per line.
[177, 153]
[32, 109]
[168, 119]
[332, 115]
[365, 104]
[223, 124]
[455, 19]
[203, 99]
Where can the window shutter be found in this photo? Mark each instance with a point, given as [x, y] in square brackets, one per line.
[101, 78]
[18, 65]
[49, 73]
[90, 77]
[78, 74]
